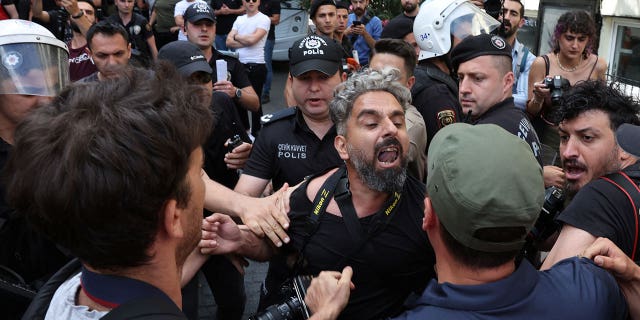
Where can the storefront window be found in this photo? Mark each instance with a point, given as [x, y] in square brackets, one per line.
[626, 57]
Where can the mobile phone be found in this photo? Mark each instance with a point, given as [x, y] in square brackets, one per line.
[357, 23]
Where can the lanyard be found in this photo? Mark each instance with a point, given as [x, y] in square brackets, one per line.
[338, 183]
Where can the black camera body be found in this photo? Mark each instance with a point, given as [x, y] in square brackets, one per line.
[293, 306]
[546, 224]
[234, 142]
[557, 85]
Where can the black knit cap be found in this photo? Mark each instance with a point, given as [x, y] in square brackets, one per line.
[480, 45]
[398, 27]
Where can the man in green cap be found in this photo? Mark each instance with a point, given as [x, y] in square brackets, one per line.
[484, 193]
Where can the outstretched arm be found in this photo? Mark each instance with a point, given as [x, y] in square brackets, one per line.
[221, 235]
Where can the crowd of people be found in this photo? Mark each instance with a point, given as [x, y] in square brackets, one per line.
[423, 169]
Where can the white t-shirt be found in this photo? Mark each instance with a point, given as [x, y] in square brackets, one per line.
[248, 25]
[179, 10]
[63, 304]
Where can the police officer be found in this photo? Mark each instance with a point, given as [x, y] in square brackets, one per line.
[435, 93]
[33, 68]
[483, 64]
[298, 141]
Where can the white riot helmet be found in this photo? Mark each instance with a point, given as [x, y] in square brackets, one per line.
[438, 20]
[32, 60]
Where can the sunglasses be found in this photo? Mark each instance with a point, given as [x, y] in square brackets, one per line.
[199, 78]
[247, 1]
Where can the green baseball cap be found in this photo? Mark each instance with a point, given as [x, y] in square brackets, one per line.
[483, 177]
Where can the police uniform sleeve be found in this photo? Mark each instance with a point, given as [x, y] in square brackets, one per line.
[604, 211]
[262, 160]
[438, 108]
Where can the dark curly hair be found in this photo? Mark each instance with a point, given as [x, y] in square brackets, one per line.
[597, 95]
[578, 21]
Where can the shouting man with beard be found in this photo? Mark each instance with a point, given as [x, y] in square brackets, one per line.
[512, 18]
[588, 117]
[365, 214]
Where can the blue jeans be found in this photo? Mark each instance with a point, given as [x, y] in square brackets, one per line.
[268, 55]
[221, 42]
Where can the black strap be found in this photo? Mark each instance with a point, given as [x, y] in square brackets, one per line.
[546, 64]
[379, 222]
[632, 191]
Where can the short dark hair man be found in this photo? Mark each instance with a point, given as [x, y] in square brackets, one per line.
[121, 187]
[110, 50]
[368, 210]
[143, 42]
[512, 18]
[226, 283]
[483, 64]
[323, 15]
[477, 233]
[588, 117]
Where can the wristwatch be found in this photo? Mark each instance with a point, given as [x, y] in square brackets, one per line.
[80, 14]
[238, 93]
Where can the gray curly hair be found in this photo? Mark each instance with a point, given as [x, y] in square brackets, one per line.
[360, 83]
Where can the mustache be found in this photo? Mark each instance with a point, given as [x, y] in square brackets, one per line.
[574, 163]
[391, 141]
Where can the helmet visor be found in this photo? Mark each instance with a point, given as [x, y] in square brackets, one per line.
[37, 69]
[469, 20]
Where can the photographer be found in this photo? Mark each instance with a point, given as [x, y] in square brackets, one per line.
[572, 59]
[588, 117]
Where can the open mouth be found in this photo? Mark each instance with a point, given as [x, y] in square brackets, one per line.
[574, 170]
[389, 154]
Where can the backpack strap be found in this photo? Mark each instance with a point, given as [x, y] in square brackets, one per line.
[521, 64]
[622, 181]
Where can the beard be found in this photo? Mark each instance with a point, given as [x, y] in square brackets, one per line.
[409, 7]
[611, 165]
[504, 33]
[384, 180]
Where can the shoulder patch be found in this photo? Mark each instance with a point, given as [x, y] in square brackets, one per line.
[282, 114]
[446, 117]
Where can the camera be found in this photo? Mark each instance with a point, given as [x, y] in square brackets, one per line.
[234, 142]
[557, 85]
[293, 306]
[546, 224]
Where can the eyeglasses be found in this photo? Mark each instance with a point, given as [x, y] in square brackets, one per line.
[247, 1]
[199, 78]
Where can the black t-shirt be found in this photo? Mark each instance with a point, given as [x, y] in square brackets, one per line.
[287, 150]
[386, 269]
[603, 210]
[435, 95]
[269, 8]
[512, 119]
[138, 33]
[224, 23]
[227, 124]
[235, 70]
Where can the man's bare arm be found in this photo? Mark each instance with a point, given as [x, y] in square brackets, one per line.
[571, 242]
